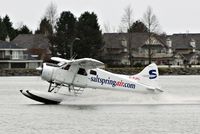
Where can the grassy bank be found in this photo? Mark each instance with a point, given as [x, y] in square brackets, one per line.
[19, 72]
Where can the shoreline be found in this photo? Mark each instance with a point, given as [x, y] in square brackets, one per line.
[124, 70]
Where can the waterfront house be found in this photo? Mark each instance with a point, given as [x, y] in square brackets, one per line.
[186, 48]
[37, 45]
[117, 46]
[176, 49]
[13, 56]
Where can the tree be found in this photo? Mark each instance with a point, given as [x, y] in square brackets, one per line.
[51, 14]
[127, 20]
[45, 27]
[139, 27]
[24, 30]
[3, 32]
[65, 32]
[151, 22]
[108, 29]
[10, 31]
[90, 36]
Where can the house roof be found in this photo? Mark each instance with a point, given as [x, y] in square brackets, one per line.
[9, 45]
[182, 41]
[31, 41]
[114, 40]
[190, 55]
[179, 41]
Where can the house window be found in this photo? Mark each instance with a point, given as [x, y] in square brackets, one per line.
[124, 43]
[140, 50]
[15, 55]
[82, 71]
[7, 53]
[93, 72]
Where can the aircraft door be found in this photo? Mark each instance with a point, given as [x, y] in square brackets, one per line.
[81, 78]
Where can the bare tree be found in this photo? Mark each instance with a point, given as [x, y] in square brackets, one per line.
[107, 28]
[127, 18]
[120, 29]
[151, 22]
[51, 14]
[127, 21]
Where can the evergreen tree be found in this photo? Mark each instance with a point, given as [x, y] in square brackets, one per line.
[45, 27]
[3, 32]
[138, 26]
[65, 33]
[88, 30]
[10, 31]
[24, 30]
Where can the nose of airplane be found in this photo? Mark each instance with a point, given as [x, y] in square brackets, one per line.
[47, 72]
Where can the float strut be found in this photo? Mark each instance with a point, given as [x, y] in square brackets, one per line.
[49, 90]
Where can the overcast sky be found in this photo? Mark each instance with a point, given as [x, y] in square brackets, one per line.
[175, 16]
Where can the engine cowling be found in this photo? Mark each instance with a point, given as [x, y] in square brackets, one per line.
[47, 72]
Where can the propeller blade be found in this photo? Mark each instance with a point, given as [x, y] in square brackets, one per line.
[39, 68]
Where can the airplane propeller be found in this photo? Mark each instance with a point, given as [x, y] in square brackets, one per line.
[39, 68]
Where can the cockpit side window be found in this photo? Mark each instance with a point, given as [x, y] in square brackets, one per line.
[82, 71]
[67, 67]
[93, 72]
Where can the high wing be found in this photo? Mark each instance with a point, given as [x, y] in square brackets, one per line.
[60, 60]
[87, 63]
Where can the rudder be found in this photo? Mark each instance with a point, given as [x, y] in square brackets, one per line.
[149, 77]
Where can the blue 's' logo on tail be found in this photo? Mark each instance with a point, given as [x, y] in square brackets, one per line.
[152, 74]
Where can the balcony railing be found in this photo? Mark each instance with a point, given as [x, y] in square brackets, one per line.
[155, 55]
[12, 57]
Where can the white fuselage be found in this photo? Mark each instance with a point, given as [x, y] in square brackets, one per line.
[85, 73]
[90, 78]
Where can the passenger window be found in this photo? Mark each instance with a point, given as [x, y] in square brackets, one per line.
[93, 72]
[67, 67]
[82, 71]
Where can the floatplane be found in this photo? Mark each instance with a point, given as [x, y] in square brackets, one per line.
[78, 74]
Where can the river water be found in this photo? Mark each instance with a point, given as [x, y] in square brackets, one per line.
[175, 111]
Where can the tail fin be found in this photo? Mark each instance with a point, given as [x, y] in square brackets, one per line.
[149, 77]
